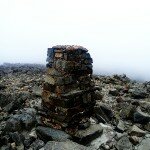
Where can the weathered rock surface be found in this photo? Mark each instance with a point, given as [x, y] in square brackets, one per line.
[144, 144]
[37, 145]
[135, 131]
[105, 139]
[141, 117]
[88, 134]
[138, 93]
[21, 121]
[121, 126]
[64, 146]
[47, 134]
[123, 116]
[124, 144]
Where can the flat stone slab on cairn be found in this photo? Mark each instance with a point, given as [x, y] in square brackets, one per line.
[48, 134]
[87, 135]
[68, 91]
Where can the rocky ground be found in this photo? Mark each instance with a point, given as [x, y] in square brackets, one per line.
[121, 119]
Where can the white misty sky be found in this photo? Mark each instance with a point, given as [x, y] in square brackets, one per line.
[116, 32]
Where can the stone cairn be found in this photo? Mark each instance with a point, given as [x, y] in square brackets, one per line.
[68, 91]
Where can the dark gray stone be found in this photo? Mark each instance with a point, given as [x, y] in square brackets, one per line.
[88, 61]
[86, 56]
[122, 78]
[37, 145]
[13, 124]
[10, 107]
[107, 110]
[49, 65]
[28, 121]
[2, 87]
[89, 134]
[28, 142]
[103, 112]
[47, 134]
[30, 111]
[141, 117]
[25, 120]
[5, 140]
[2, 125]
[98, 95]
[114, 92]
[100, 118]
[138, 93]
[17, 138]
[50, 55]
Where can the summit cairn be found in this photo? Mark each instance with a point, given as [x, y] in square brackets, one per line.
[68, 91]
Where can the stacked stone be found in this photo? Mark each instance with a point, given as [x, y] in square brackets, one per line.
[68, 91]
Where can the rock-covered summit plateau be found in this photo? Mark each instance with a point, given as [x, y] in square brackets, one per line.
[119, 118]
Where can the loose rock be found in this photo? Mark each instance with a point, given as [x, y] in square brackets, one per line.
[48, 134]
[135, 131]
[37, 145]
[124, 144]
[141, 117]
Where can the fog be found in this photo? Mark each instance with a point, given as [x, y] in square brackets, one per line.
[116, 32]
